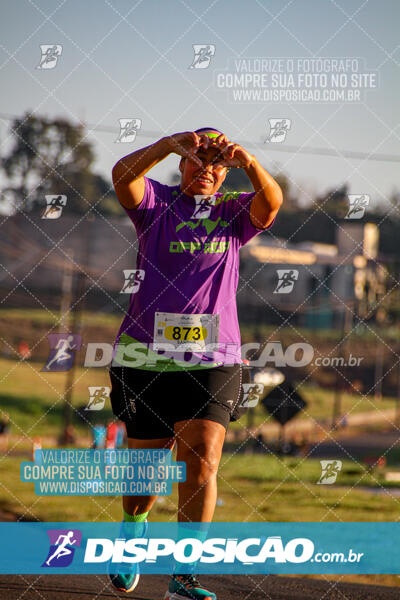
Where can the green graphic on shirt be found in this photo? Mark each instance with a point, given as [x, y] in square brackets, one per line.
[214, 247]
[219, 199]
[207, 223]
[227, 197]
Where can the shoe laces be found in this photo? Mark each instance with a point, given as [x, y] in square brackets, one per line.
[189, 581]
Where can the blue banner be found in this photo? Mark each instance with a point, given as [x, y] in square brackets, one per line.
[216, 548]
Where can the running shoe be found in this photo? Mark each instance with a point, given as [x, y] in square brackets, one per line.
[127, 577]
[187, 586]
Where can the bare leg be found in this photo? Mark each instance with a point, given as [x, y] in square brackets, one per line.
[200, 445]
[137, 505]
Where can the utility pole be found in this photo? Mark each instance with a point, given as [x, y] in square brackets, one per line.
[74, 323]
[346, 325]
[378, 371]
[66, 292]
[69, 381]
[65, 326]
[397, 413]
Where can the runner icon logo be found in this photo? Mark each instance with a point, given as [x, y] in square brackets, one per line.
[62, 351]
[128, 130]
[251, 394]
[202, 56]
[286, 280]
[278, 129]
[133, 279]
[357, 206]
[204, 205]
[61, 551]
[50, 55]
[97, 397]
[330, 471]
[54, 206]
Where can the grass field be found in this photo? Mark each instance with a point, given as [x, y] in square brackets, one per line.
[251, 488]
[34, 399]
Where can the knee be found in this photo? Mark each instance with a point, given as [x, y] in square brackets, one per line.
[202, 463]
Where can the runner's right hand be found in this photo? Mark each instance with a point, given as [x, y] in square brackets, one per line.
[186, 144]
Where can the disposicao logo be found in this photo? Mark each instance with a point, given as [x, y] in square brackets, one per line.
[61, 551]
[217, 550]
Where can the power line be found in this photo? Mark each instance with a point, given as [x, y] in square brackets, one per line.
[330, 152]
[315, 151]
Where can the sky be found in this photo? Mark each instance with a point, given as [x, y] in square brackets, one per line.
[131, 59]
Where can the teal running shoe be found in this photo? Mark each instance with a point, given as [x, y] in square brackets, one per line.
[127, 577]
[187, 586]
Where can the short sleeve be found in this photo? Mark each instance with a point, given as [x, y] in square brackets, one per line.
[241, 209]
[143, 215]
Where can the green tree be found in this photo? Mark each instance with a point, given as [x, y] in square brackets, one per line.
[52, 156]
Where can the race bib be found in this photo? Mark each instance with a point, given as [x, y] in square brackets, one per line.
[185, 332]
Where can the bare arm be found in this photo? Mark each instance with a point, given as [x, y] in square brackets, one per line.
[268, 194]
[128, 173]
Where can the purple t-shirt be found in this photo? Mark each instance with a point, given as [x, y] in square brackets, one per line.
[187, 264]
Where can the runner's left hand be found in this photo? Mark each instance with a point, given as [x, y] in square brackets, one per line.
[233, 155]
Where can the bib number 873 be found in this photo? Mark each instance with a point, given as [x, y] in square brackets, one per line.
[185, 334]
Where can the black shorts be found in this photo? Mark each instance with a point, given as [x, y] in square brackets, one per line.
[151, 402]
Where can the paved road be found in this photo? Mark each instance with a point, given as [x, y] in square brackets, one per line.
[316, 428]
[238, 587]
[372, 444]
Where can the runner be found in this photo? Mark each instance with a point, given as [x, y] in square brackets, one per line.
[62, 542]
[62, 347]
[177, 372]
[288, 279]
